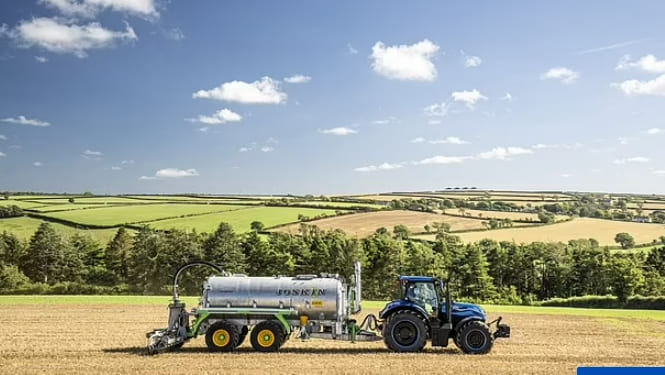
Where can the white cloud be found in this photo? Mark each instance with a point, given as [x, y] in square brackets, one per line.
[38, 164]
[436, 110]
[56, 36]
[298, 78]
[41, 59]
[472, 61]
[3, 137]
[449, 140]
[267, 149]
[174, 34]
[635, 87]
[220, 117]
[125, 162]
[542, 145]
[504, 153]
[405, 62]
[171, 173]
[470, 98]
[609, 47]
[385, 121]
[433, 121]
[339, 131]
[2, 154]
[116, 168]
[507, 97]
[264, 91]
[653, 131]
[442, 160]
[568, 146]
[635, 159]
[417, 140]
[562, 74]
[90, 154]
[22, 120]
[659, 171]
[648, 63]
[90, 8]
[380, 167]
[350, 50]
[565, 175]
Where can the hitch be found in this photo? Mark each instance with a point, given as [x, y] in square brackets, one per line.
[502, 330]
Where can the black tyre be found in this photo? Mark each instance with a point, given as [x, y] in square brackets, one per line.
[243, 334]
[405, 332]
[475, 338]
[267, 336]
[222, 337]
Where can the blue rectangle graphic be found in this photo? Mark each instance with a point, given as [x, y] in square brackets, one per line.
[621, 370]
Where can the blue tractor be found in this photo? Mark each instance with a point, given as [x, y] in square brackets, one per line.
[425, 311]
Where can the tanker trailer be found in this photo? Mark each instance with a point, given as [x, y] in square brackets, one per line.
[272, 309]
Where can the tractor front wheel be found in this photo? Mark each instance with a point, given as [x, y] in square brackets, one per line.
[405, 331]
[475, 338]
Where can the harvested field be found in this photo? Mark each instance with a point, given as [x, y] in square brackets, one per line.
[108, 337]
[602, 230]
[525, 216]
[364, 224]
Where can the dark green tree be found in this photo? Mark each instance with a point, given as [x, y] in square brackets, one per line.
[44, 259]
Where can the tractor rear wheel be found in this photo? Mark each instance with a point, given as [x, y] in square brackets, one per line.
[475, 338]
[267, 336]
[405, 331]
[222, 336]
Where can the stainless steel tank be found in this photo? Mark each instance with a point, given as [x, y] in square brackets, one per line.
[319, 298]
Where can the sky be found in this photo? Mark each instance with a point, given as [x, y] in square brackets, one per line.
[331, 97]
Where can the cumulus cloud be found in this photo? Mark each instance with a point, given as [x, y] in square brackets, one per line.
[22, 120]
[562, 74]
[405, 62]
[90, 8]
[635, 159]
[567, 146]
[380, 167]
[125, 162]
[436, 110]
[648, 63]
[631, 87]
[267, 149]
[442, 160]
[507, 97]
[298, 78]
[653, 131]
[449, 140]
[2, 154]
[339, 131]
[472, 61]
[58, 36]
[38, 164]
[418, 140]
[470, 98]
[41, 59]
[504, 153]
[264, 91]
[222, 116]
[171, 173]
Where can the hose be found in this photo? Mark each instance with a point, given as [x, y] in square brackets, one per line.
[370, 323]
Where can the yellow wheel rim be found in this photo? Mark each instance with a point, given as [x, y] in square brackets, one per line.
[221, 338]
[266, 338]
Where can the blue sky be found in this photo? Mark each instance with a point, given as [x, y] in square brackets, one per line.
[150, 96]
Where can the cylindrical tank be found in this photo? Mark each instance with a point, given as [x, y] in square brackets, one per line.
[318, 298]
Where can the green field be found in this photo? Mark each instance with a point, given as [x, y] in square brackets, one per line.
[240, 220]
[20, 204]
[67, 207]
[658, 315]
[25, 227]
[113, 216]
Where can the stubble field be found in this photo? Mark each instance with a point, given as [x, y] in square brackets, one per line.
[105, 335]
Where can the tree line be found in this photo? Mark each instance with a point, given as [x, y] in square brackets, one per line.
[486, 271]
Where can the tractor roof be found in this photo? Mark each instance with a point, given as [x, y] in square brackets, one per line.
[417, 279]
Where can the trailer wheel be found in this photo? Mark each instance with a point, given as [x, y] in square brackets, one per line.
[475, 338]
[405, 332]
[267, 336]
[243, 334]
[222, 337]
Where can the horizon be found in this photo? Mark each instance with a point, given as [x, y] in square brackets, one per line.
[160, 97]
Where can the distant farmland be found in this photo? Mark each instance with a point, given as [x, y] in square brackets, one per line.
[602, 230]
